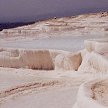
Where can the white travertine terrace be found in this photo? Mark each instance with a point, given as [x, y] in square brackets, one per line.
[39, 59]
[23, 72]
[94, 62]
[94, 93]
[81, 25]
[99, 45]
[94, 58]
[70, 61]
[97, 57]
[22, 58]
[86, 97]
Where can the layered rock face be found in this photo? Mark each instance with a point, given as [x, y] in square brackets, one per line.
[39, 59]
[81, 25]
[96, 59]
[99, 46]
[22, 70]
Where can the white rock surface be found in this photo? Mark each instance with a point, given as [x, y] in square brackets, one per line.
[94, 62]
[69, 61]
[93, 94]
[19, 86]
